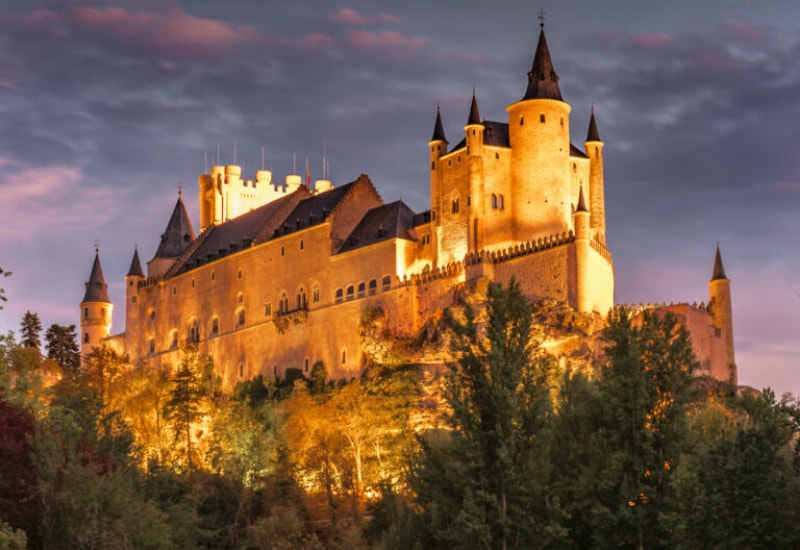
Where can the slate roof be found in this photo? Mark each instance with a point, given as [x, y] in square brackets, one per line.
[233, 235]
[474, 114]
[313, 210]
[136, 266]
[581, 202]
[719, 269]
[388, 221]
[438, 129]
[178, 235]
[593, 134]
[575, 152]
[542, 78]
[96, 287]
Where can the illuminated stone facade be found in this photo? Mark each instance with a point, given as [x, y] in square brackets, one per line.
[280, 276]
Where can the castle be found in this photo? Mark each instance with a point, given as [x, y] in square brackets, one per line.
[280, 275]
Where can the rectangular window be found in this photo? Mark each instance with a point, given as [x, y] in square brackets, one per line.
[267, 310]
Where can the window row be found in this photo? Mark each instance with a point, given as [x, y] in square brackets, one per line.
[498, 202]
[362, 289]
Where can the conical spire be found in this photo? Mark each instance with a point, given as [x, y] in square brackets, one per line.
[581, 202]
[719, 269]
[438, 129]
[178, 235]
[593, 134]
[136, 266]
[96, 288]
[474, 114]
[542, 78]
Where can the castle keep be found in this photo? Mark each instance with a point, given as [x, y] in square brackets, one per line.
[280, 274]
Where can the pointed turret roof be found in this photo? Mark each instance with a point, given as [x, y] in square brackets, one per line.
[719, 269]
[474, 114]
[438, 129]
[581, 202]
[96, 287]
[178, 235]
[136, 266]
[593, 134]
[542, 78]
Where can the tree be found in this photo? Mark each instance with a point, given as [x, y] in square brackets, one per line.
[3, 297]
[183, 407]
[61, 347]
[31, 330]
[483, 484]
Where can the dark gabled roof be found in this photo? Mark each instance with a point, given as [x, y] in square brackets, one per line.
[136, 266]
[96, 287]
[178, 235]
[388, 221]
[474, 114]
[494, 133]
[234, 235]
[593, 134]
[313, 210]
[438, 129]
[581, 202]
[719, 269]
[542, 78]
[421, 218]
[575, 152]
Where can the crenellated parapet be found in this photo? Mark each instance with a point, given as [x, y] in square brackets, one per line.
[521, 249]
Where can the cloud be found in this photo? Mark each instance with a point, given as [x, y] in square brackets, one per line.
[395, 44]
[649, 40]
[469, 58]
[352, 17]
[42, 201]
[743, 33]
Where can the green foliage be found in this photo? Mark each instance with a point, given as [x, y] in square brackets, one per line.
[12, 539]
[183, 408]
[31, 331]
[62, 347]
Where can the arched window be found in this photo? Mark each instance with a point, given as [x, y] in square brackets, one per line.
[454, 205]
[239, 298]
[500, 203]
[339, 295]
[214, 326]
[241, 370]
[240, 318]
[193, 332]
[315, 293]
[301, 298]
[387, 282]
[494, 200]
[361, 289]
[267, 309]
[86, 338]
[350, 290]
[151, 346]
[173, 339]
[305, 364]
[373, 286]
[283, 303]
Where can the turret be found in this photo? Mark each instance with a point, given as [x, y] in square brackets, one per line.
[583, 236]
[177, 237]
[722, 312]
[438, 147]
[538, 128]
[95, 309]
[474, 138]
[594, 150]
[134, 277]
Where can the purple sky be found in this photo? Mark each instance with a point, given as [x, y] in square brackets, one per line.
[106, 106]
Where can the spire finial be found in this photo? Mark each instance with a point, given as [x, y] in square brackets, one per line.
[180, 189]
[97, 246]
[542, 16]
[719, 269]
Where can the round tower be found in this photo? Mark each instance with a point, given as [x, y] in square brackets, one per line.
[474, 139]
[95, 309]
[583, 235]
[594, 150]
[134, 277]
[438, 147]
[722, 312]
[538, 127]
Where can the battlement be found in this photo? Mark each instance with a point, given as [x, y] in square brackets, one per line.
[530, 247]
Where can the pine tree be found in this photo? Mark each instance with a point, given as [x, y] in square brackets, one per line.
[31, 331]
[61, 347]
[483, 484]
[183, 407]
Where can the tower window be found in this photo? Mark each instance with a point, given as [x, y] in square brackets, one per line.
[562, 121]
[174, 291]
[267, 309]
[192, 283]
[500, 202]
[283, 251]
[86, 312]
[240, 318]
[214, 327]
[305, 364]
[133, 299]
[301, 298]
[541, 118]
[344, 356]
[521, 120]
[494, 200]
[151, 346]
[454, 206]
[433, 164]
[213, 275]
[301, 245]
[174, 343]
[241, 370]
[350, 290]
[239, 274]
[373, 286]
[361, 289]
[469, 200]
[496, 155]
[86, 338]
[339, 295]
[130, 283]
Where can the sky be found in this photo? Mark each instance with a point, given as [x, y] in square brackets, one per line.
[107, 106]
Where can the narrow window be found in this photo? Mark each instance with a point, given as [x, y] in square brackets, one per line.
[433, 164]
[301, 244]
[497, 155]
[339, 295]
[86, 312]
[373, 286]
[239, 298]
[494, 200]
[350, 290]
[192, 283]
[215, 327]
[521, 120]
[283, 251]
[240, 320]
[562, 121]
[361, 289]
[305, 364]
[500, 203]
[239, 274]
[103, 311]
[541, 118]
[267, 310]
[241, 371]
[344, 356]
[86, 338]
[213, 275]
[130, 283]
[387, 282]
[315, 295]
[151, 346]
[174, 291]
[174, 343]
[469, 200]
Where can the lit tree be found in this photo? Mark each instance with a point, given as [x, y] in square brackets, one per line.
[183, 407]
[61, 347]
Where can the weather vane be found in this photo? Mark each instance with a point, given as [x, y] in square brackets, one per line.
[542, 15]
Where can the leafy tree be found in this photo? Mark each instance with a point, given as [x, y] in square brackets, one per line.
[105, 370]
[12, 539]
[183, 408]
[3, 297]
[18, 503]
[31, 331]
[61, 347]
[483, 484]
